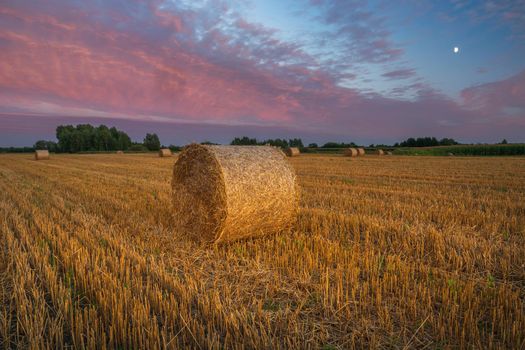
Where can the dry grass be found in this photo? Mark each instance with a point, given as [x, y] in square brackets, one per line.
[396, 252]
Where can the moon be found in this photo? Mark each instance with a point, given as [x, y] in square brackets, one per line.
[456, 49]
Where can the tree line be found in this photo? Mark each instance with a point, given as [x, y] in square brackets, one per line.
[297, 142]
[85, 137]
[246, 141]
[426, 142]
[283, 143]
[89, 138]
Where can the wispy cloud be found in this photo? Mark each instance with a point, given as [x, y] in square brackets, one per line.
[400, 74]
[504, 99]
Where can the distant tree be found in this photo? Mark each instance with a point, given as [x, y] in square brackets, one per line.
[504, 142]
[282, 143]
[447, 142]
[243, 141]
[85, 137]
[410, 142]
[43, 144]
[338, 145]
[64, 135]
[427, 142]
[16, 149]
[104, 141]
[296, 143]
[137, 147]
[313, 145]
[174, 148]
[208, 143]
[121, 140]
[152, 142]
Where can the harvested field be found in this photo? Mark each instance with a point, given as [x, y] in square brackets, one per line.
[389, 252]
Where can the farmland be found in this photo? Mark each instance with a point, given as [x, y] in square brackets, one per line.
[465, 150]
[388, 252]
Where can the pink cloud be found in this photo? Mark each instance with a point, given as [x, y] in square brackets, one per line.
[505, 98]
[140, 62]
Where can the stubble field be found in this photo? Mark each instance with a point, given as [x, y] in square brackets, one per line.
[395, 252]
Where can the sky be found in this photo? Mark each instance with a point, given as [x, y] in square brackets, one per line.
[191, 71]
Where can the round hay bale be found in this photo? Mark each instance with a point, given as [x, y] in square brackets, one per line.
[225, 193]
[351, 152]
[120, 152]
[164, 152]
[450, 154]
[292, 152]
[361, 151]
[380, 152]
[389, 153]
[41, 154]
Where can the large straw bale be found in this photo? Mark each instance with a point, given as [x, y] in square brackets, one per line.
[120, 152]
[292, 152]
[380, 152]
[351, 152]
[164, 152]
[225, 193]
[361, 151]
[41, 154]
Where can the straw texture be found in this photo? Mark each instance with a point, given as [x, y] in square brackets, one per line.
[361, 151]
[225, 193]
[292, 152]
[41, 154]
[351, 152]
[164, 152]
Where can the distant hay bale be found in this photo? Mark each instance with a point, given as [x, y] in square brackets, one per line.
[292, 152]
[380, 152]
[164, 152]
[351, 152]
[225, 193]
[389, 153]
[361, 151]
[120, 152]
[450, 154]
[41, 154]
